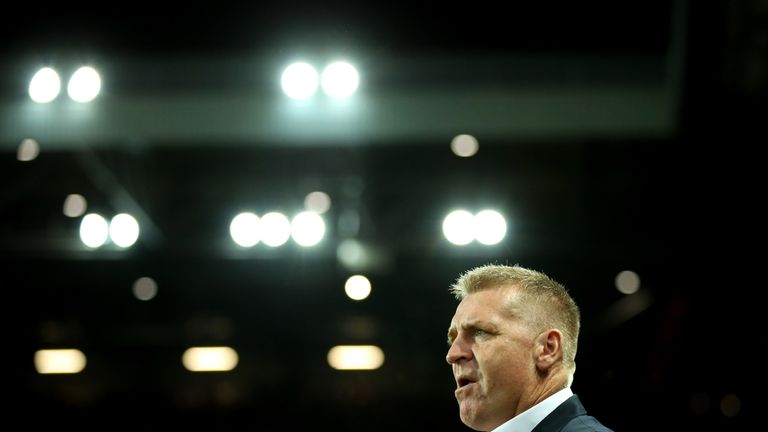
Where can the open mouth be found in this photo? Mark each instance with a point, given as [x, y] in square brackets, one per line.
[463, 381]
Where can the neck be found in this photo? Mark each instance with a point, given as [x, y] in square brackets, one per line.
[545, 388]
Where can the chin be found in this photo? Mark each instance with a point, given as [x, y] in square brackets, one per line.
[475, 421]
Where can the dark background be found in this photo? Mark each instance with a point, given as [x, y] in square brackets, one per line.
[678, 205]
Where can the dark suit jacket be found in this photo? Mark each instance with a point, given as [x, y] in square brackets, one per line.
[570, 416]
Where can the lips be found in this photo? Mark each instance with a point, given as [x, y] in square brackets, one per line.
[465, 380]
[465, 387]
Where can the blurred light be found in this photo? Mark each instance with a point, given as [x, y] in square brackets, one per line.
[275, 229]
[699, 403]
[245, 229]
[357, 287]
[210, 359]
[318, 202]
[464, 145]
[307, 228]
[490, 227]
[55, 361]
[145, 288]
[351, 254]
[84, 85]
[28, 150]
[730, 405]
[299, 81]
[340, 80]
[355, 357]
[458, 227]
[124, 230]
[44, 86]
[627, 282]
[94, 230]
[74, 205]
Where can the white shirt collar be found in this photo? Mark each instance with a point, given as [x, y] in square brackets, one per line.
[528, 419]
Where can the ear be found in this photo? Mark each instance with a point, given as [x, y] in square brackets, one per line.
[549, 349]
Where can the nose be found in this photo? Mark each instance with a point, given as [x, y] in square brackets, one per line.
[458, 351]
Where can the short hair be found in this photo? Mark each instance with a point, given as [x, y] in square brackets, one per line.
[554, 305]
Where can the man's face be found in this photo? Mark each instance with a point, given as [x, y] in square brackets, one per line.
[491, 353]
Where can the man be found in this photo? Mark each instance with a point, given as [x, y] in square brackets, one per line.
[512, 347]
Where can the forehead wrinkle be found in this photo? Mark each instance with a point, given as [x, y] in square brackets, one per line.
[463, 325]
[473, 323]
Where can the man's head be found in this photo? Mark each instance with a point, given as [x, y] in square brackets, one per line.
[512, 342]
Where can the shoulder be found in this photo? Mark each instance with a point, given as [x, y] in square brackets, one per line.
[585, 423]
[570, 416]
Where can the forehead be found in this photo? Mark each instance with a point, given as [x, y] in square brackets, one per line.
[486, 304]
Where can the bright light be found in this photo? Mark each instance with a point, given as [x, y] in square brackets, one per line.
[357, 287]
[458, 227]
[490, 227]
[340, 80]
[275, 229]
[74, 205]
[307, 228]
[627, 282]
[210, 359]
[28, 150]
[84, 85]
[464, 145]
[355, 357]
[124, 230]
[94, 230]
[59, 361]
[245, 229]
[44, 86]
[299, 81]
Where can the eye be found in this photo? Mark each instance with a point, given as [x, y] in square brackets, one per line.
[480, 333]
[449, 340]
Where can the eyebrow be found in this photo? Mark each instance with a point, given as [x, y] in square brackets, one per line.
[474, 324]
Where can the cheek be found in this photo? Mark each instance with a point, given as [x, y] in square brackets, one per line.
[504, 367]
